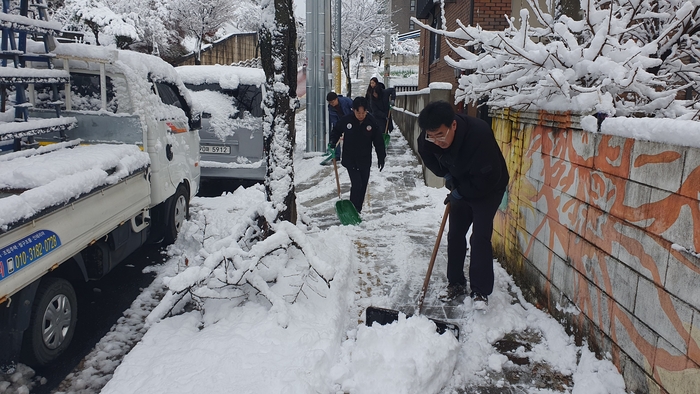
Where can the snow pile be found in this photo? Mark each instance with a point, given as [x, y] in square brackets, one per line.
[278, 330]
[228, 77]
[397, 358]
[59, 175]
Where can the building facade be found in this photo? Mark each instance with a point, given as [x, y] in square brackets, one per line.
[488, 14]
[402, 11]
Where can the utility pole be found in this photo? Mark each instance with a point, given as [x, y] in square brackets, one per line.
[337, 60]
[318, 55]
[387, 49]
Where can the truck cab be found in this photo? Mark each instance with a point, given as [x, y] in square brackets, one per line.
[127, 124]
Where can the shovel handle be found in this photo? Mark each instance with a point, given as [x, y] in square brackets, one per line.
[388, 119]
[337, 180]
[432, 258]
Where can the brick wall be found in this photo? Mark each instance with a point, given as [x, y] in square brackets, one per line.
[487, 13]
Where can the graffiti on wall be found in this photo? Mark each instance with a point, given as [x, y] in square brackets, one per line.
[613, 223]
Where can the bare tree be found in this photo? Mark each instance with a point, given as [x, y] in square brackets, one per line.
[200, 18]
[279, 59]
[364, 25]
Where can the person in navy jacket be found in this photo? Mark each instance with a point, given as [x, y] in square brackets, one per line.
[338, 106]
[464, 151]
[360, 132]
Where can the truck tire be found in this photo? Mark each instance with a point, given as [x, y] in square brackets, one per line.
[178, 211]
[52, 322]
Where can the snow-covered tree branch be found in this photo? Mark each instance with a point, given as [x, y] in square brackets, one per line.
[276, 271]
[624, 57]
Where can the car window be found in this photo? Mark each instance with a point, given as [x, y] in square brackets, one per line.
[246, 98]
[250, 99]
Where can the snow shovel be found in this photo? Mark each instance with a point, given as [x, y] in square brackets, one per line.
[386, 316]
[386, 135]
[331, 155]
[344, 208]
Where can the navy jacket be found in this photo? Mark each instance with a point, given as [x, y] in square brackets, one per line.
[358, 141]
[474, 159]
[345, 105]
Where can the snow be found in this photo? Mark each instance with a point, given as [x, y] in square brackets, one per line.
[53, 178]
[440, 85]
[668, 131]
[11, 72]
[315, 344]
[16, 21]
[228, 77]
[237, 341]
[223, 339]
[17, 127]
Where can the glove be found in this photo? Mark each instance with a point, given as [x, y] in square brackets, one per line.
[380, 164]
[449, 181]
[391, 103]
[447, 199]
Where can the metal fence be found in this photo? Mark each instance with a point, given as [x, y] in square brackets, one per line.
[405, 88]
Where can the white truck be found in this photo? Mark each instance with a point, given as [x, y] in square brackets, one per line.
[104, 158]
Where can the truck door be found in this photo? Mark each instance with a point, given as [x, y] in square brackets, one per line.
[182, 148]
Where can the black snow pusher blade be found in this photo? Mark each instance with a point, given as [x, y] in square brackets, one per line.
[387, 316]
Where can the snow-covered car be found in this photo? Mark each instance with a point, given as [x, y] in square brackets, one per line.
[230, 99]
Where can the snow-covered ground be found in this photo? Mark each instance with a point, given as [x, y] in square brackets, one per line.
[232, 339]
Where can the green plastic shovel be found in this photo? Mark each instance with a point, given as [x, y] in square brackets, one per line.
[344, 208]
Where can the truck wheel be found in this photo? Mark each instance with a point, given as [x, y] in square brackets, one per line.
[178, 211]
[52, 322]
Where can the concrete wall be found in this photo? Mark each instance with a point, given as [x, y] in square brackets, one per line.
[398, 60]
[604, 233]
[405, 115]
[608, 225]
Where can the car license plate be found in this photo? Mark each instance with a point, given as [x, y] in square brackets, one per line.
[222, 149]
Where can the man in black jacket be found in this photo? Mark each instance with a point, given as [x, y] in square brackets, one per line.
[464, 151]
[361, 132]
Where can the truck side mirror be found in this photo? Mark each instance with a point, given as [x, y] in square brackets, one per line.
[196, 121]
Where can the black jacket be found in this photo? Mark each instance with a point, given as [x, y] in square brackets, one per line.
[379, 107]
[474, 159]
[358, 141]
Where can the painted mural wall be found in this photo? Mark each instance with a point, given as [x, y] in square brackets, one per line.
[604, 232]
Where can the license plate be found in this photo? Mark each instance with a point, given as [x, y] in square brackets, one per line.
[222, 149]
